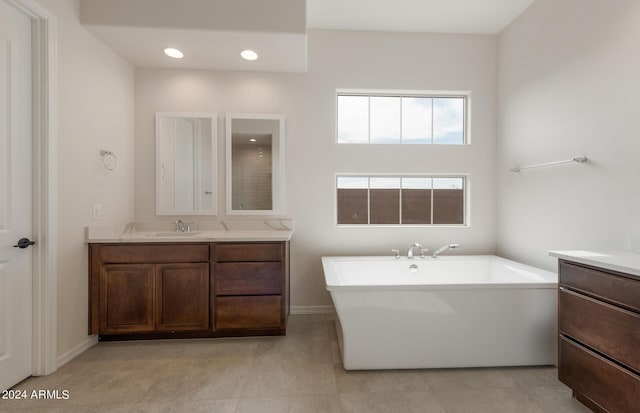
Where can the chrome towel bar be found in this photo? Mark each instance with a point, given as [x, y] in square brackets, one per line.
[578, 159]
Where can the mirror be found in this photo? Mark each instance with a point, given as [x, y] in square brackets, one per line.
[186, 163]
[255, 164]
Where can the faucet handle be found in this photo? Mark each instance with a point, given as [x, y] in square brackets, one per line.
[396, 253]
[422, 251]
[180, 226]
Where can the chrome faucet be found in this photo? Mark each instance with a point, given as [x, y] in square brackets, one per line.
[444, 248]
[180, 226]
[415, 245]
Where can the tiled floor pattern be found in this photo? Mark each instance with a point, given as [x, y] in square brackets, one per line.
[301, 372]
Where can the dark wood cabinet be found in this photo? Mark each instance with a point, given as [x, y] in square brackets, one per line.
[599, 346]
[173, 290]
[251, 288]
[249, 278]
[182, 296]
[126, 298]
[252, 312]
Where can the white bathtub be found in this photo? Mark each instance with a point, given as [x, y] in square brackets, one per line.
[462, 311]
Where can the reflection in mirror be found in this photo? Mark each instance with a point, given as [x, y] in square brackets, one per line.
[251, 171]
[255, 164]
[186, 163]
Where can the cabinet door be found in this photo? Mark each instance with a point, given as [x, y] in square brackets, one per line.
[182, 297]
[126, 298]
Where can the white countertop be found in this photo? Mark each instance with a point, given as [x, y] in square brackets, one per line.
[623, 261]
[257, 230]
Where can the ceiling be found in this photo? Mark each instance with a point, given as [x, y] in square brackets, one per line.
[211, 33]
[432, 16]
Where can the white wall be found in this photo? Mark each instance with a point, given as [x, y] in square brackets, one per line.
[95, 88]
[569, 85]
[341, 60]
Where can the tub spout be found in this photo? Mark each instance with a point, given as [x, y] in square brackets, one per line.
[412, 247]
[444, 248]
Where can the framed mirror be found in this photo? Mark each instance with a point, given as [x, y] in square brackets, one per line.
[255, 164]
[186, 163]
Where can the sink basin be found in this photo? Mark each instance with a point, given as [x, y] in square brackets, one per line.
[173, 234]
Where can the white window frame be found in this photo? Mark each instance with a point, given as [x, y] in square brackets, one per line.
[466, 213]
[464, 94]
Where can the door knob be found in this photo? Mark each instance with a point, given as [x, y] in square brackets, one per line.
[24, 243]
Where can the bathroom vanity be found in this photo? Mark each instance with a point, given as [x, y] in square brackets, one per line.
[210, 284]
[599, 328]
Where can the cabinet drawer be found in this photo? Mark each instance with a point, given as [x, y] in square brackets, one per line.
[603, 285]
[249, 312]
[249, 252]
[608, 329]
[607, 384]
[242, 278]
[154, 253]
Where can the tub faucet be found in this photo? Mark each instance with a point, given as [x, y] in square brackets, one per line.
[411, 248]
[444, 248]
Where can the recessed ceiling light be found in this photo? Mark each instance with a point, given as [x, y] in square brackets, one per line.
[175, 53]
[252, 140]
[249, 54]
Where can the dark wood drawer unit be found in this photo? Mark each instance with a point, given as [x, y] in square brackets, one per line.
[257, 251]
[185, 290]
[613, 331]
[155, 253]
[599, 326]
[607, 384]
[252, 286]
[246, 278]
[616, 288]
[254, 312]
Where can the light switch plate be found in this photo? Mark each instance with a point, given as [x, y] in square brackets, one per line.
[96, 213]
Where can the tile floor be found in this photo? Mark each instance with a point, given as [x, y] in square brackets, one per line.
[301, 372]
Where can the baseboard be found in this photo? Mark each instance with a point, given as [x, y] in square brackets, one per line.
[77, 350]
[93, 340]
[312, 309]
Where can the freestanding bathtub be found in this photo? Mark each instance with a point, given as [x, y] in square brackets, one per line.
[453, 311]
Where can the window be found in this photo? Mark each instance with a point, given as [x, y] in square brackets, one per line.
[401, 119]
[400, 200]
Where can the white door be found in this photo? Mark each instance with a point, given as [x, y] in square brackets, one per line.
[15, 196]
